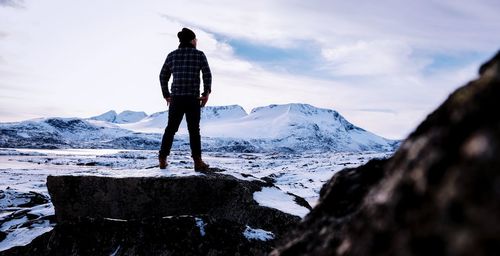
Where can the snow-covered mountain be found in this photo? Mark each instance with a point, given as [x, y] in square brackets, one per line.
[293, 126]
[289, 127]
[222, 113]
[124, 117]
[72, 133]
[156, 122]
[306, 127]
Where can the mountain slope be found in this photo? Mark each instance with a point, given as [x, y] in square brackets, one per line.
[157, 122]
[302, 126]
[292, 126]
[289, 128]
[124, 117]
[71, 133]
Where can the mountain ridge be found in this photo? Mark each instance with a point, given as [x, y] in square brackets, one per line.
[289, 127]
[126, 116]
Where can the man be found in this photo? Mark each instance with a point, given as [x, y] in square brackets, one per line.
[185, 64]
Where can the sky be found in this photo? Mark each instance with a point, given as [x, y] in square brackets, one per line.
[384, 65]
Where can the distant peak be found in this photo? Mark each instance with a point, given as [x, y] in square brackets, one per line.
[111, 112]
[129, 116]
[232, 111]
[224, 107]
[109, 116]
[126, 116]
[293, 107]
[126, 112]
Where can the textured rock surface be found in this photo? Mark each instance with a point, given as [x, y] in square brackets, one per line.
[170, 236]
[191, 215]
[138, 198]
[438, 195]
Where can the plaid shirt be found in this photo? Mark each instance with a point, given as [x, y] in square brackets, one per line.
[185, 64]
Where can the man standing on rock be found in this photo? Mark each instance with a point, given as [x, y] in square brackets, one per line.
[185, 64]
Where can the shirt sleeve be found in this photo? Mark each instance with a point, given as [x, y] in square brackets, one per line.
[165, 74]
[207, 75]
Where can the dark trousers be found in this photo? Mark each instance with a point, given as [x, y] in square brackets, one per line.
[179, 106]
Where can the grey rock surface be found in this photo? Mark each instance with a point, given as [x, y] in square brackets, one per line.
[138, 198]
[190, 215]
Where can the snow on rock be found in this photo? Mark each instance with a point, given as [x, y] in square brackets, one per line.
[11, 198]
[201, 225]
[275, 198]
[21, 236]
[257, 234]
[23, 217]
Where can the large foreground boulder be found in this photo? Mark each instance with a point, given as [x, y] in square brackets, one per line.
[438, 195]
[138, 198]
[180, 235]
[210, 214]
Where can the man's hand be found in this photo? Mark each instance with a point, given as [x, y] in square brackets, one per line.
[168, 99]
[203, 100]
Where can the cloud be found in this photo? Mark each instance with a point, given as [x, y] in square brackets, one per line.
[443, 25]
[12, 3]
[373, 58]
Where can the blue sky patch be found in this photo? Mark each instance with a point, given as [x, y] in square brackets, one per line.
[304, 58]
[442, 62]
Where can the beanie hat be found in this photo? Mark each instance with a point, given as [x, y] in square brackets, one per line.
[186, 35]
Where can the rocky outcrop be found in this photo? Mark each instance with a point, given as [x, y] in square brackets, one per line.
[438, 195]
[180, 235]
[211, 214]
[138, 198]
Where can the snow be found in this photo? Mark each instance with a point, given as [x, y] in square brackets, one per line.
[116, 220]
[257, 234]
[201, 225]
[43, 210]
[211, 115]
[109, 116]
[115, 252]
[275, 198]
[9, 198]
[124, 117]
[23, 236]
[25, 170]
[154, 123]
[74, 152]
[15, 222]
[128, 116]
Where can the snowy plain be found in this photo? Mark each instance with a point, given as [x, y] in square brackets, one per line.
[23, 174]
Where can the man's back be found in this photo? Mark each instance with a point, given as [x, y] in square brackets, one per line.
[185, 64]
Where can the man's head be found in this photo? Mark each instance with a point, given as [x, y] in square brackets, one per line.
[186, 35]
